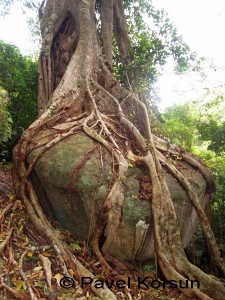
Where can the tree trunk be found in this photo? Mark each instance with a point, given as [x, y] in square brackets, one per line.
[78, 93]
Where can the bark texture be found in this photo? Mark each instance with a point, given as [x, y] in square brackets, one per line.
[78, 94]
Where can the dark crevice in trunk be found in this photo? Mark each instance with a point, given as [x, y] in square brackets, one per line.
[63, 46]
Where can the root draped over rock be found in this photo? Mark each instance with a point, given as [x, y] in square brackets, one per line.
[88, 99]
[168, 245]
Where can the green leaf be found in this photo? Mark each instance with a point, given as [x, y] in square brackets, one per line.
[75, 246]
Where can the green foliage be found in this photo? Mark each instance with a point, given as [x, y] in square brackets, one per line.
[149, 269]
[217, 165]
[19, 77]
[5, 118]
[214, 133]
[204, 135]
[75, 246]
[218, 199]
[180, 125]
[154, 39]
[211, 126]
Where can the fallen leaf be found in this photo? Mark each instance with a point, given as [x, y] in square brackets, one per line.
[47, 254]
[36, 269]
[58, 277]
[18, 284]
[11, 197]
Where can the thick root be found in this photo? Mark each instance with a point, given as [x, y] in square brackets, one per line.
[102, 128]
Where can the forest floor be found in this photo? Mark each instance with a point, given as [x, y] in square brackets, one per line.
[17, 234]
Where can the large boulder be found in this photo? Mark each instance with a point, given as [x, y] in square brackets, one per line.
[73, 178]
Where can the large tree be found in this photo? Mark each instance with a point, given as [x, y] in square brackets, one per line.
[79, 93]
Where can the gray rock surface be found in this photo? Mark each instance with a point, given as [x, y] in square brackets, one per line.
[72, 179]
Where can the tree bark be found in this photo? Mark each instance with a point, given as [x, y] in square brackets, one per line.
[77, 92]
[106, 13]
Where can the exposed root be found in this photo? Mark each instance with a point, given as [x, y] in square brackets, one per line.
[6, 240]
[43, 227]
[195, 202]
[26, 281]
[5, 211]
[176, 255]
[111, 210]
[12, 291]
[102, 128]
[193, 162]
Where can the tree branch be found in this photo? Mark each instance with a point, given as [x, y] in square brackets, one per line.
[120, 28]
